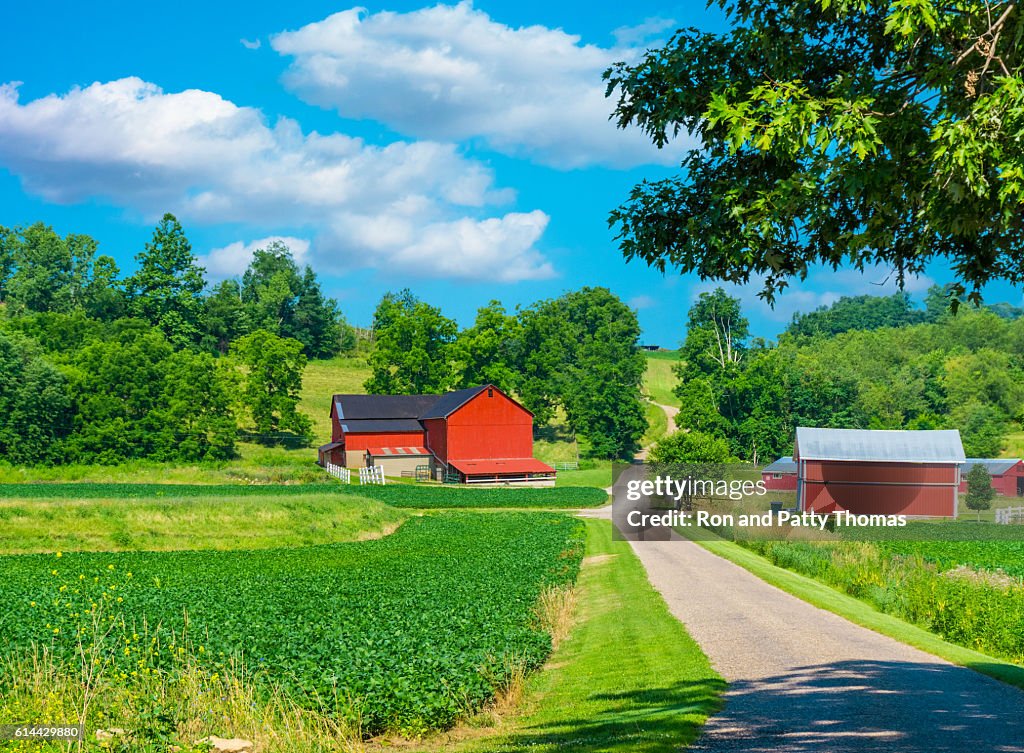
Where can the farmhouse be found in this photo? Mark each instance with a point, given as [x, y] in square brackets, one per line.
[867, 472]
[1007, 475]
[475, 435]
[780, 476]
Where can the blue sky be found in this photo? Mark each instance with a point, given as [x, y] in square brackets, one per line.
[460, 150]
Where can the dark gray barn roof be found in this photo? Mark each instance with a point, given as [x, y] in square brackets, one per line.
[358, 407]
[994, 466]
[451, 402]
[873, 445]
[361, 426]
[782, 465]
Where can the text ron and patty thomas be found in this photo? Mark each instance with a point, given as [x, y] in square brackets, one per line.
[669, 488]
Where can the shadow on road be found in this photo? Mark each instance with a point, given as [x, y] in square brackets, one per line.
[883, 707]
[869, 706]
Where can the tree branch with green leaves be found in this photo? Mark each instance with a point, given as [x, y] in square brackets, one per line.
[833, 132]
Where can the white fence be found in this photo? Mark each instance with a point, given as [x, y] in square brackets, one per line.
[344, 475]
[1007, 515]
[571, 465]
[372, 475]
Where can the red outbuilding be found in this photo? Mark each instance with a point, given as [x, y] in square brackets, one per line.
[868, 472]
[475, 435]
[780, 476]
[1007, 475]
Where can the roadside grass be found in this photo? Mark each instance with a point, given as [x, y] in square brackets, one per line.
[659, 379]
[860, 613]
[628, 677]
[190, 522]
[657, 424]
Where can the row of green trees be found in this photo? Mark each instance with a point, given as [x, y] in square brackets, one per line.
[96, 368]
[576, 355]
[99, 368]
[864, 312]
[126, 393]
[961, 372]
[42, 273]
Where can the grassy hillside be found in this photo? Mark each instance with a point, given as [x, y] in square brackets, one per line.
[325, 378]
[1013, 446]
[659, 381]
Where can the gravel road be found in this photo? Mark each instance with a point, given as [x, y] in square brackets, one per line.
[803, 679]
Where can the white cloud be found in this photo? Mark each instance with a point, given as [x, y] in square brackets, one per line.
[251, 44]
[642, 33]
[209, 160]
[233, 259]
[642, 301]
[499, 248]
[453, 73]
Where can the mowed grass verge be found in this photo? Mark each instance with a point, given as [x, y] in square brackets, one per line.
[861, 613]
[628, 677]
[165, 523]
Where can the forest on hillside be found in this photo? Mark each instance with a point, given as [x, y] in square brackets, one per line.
[870, 362]
[96, 367]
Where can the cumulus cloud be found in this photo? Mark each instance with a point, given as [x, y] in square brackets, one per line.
[233, 259]
[453, 73]
[209, 160]
[504, 246]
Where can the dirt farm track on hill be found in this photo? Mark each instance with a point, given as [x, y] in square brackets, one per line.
[804, 679]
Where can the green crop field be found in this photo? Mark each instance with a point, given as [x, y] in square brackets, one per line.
[948, 545]
[416, 629]
[432, 496]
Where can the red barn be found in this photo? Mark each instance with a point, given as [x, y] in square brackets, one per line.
[780, 476]
[1007, 475]
[475, 435]
[913, 473]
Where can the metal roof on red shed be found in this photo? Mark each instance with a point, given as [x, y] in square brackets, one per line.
[879, 446]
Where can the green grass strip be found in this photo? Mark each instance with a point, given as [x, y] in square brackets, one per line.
[629, 677]
[861, 613]
[396, 495]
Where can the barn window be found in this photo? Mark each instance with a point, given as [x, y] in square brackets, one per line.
[490, 392]
[776, 475]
